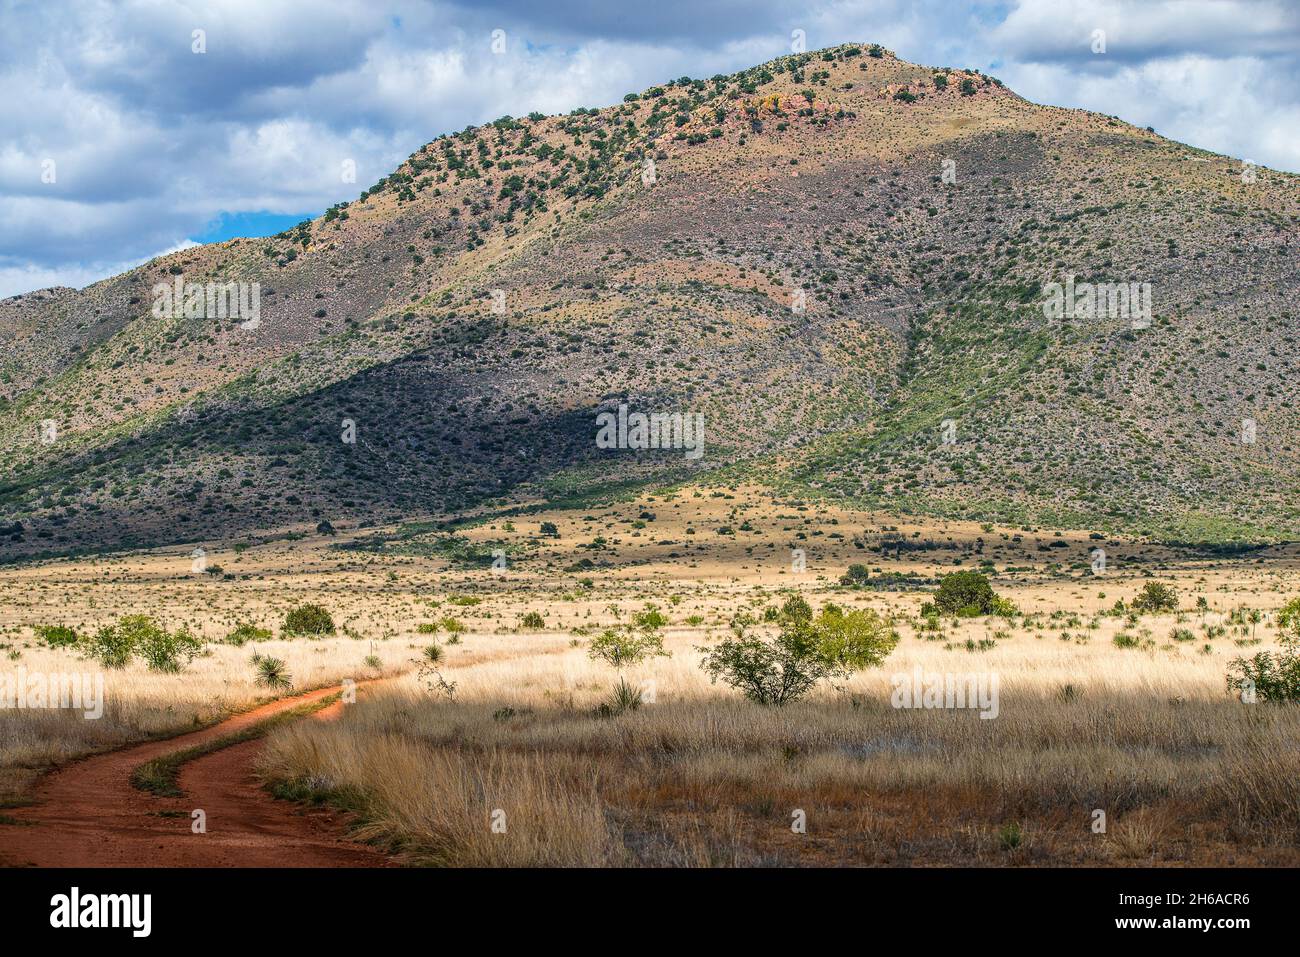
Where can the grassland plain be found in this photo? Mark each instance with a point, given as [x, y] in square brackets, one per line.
[1143, 728]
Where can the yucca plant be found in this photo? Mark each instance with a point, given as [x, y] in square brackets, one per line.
[271, 672]
[623, 698]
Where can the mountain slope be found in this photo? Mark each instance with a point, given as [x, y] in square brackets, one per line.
[784, 250]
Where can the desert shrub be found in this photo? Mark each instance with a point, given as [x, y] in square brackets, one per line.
[1288, 622]
[162, 650]
[533, 620]
[1010, 836]
[779, 669]
[550, 530]
[968, 595]
[114, 646]
[1272, 676]
[856, 575]
[57, 636]
[245, 632]
[453, 626]
[796, 608]
[1155, 597]
[649, 619]
[427, 628]
[311, 620]
[111, 647]
[624, 645]
[623, 697]
[271, 672]
[373, 661]
[433, 654]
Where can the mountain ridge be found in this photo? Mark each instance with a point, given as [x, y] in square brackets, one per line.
[652, 252]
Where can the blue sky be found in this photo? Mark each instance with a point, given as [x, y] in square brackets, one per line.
[122, 142]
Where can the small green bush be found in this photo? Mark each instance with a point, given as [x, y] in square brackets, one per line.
[969, 595]
[1155, 597]
[114, 646]
[309, 620]
[111, 647]
[165, 651]
[245, 632]
[533, 620]
[625, 645]
[856, 575]
[1273, 676]
[57, 636]
[650, 618]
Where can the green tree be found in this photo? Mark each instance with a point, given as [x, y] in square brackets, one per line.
[857, 574]
[968, 595]
[778, 669]
[1155, 597]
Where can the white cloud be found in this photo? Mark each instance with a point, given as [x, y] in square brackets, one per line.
[152, 141]
[26, 277]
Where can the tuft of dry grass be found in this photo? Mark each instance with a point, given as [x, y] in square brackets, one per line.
[481, 809]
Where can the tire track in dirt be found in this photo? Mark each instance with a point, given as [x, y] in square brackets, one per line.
[89, 815]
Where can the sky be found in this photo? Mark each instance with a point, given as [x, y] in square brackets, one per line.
[130, 128]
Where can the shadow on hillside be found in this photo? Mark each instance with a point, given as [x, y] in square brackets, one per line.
[405, 438]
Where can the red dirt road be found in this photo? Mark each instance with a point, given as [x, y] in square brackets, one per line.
[89, 815]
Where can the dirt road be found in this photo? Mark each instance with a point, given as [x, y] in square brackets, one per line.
[89, 815]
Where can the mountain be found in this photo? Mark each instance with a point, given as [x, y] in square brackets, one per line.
[840, 259]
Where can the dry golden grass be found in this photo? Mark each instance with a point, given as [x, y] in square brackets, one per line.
[1144, 730]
